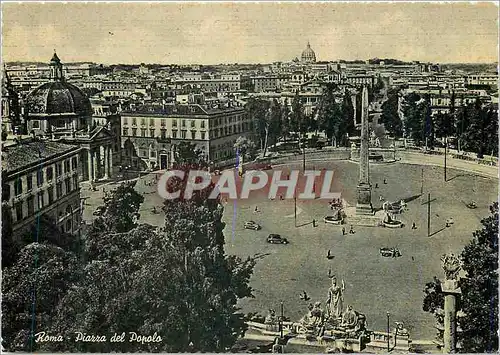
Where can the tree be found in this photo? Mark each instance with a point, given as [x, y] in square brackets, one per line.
[297, 115]
[258, 111]
[330, 115]
[187, 153]
[478, 302]
[480, 288]
[31, 290]
[390, 115]
[212, 282]
[246, 148]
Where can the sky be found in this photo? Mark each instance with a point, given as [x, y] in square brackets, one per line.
[212, 33]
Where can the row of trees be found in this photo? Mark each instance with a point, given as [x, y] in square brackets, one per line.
[474, 127]
[478, 302]
[274, 120]
[123, 276]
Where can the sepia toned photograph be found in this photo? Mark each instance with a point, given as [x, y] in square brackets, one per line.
[249, 177]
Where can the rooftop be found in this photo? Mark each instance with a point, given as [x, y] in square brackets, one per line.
[30, 152]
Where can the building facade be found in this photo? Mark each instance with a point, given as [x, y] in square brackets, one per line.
[150, 137]
[41, 178]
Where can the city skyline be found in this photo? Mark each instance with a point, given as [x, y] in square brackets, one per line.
[201, 33]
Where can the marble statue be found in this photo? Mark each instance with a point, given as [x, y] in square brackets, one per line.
[271, 317]
[335, 299]
[307, 320]
[451, 266]
[349, 318]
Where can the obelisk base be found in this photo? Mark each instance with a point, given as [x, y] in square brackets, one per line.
[364, 203]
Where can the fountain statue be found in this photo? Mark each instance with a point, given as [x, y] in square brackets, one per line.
[335, 300]
[349, 319]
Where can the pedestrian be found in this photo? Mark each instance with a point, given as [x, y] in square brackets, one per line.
[381, 198]
[376, 185]
[385, 182]
[413, 226]
[314, 223]
[351, 231]
[343, 230]
[256, 209]
[412, 258]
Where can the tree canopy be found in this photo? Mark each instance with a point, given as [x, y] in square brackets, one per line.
[478, 303]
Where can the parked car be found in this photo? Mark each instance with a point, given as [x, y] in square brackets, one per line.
[276, 239]
[390, 252]
[99, 211]
[252, 225]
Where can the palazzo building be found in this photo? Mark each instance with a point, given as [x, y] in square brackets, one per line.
[41, 178]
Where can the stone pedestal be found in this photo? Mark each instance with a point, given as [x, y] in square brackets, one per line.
[364, 203]
[451, 291]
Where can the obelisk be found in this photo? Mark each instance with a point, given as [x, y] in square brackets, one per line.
[364, 203]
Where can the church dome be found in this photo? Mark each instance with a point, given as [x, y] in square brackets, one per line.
[58, 96]
[308, 55]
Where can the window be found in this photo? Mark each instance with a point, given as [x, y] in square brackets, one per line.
[183, 134]
[152, 132]
[50, 193]
[35, 124]
[193, 134]
[125, 132]
[151, 122]
[143, 121]
[174, 134]
[134, 132]
[39, 177]
[67, 183]
[202, 124]
[163, 122]
[193, 123]
[59, 190]
[58, 169]
[174, 123]
[40, 200]
[18, 187]
[153, 154]
[183, 123]
[66, 166]
[143, 132]
[134, 121]
[74, 163]
[19, 211]
[75, 182]
[29, 182]
[50, 173]
[163, 134]
[125, 121]
[203, 135]
[31, 205]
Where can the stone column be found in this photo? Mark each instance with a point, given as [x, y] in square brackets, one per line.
[106, 167]
[110, 161]
[95, 164]
[450, 289]
[90, 165]
[364, 203]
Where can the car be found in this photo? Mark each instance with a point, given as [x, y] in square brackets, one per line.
[99, 211]
[252, 225]
[390, 252]
[276, 239]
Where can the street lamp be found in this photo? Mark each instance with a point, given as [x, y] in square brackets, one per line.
[388, 332]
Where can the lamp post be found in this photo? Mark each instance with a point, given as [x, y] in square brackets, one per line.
[388, 332]
[281, 320]
[445, 154]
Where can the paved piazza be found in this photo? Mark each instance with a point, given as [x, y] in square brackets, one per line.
[374, 284]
